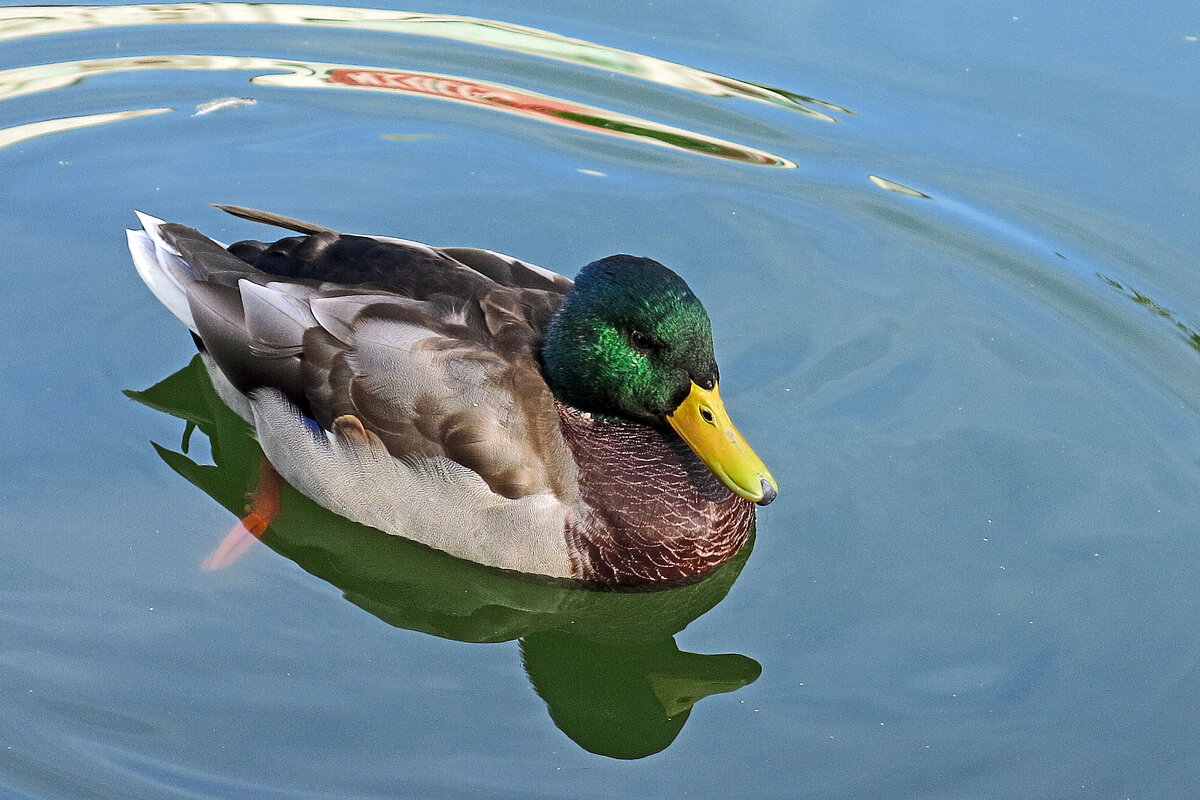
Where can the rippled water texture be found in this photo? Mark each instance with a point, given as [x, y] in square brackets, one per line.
[950, 257]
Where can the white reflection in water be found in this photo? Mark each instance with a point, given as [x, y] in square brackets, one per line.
[26, 21]
[316, 75]
[19, 133]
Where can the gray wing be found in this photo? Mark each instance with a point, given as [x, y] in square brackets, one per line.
[428, 349]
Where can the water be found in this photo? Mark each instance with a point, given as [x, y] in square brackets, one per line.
[974, 374]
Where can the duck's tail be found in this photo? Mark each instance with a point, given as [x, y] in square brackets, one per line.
[162, 268]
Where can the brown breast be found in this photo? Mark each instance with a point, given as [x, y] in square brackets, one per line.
[650, 510]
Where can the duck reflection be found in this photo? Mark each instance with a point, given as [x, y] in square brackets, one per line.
[605, 663]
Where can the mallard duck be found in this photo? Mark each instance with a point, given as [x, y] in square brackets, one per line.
[473, 402]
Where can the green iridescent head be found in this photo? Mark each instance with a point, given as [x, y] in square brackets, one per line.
[629, 341]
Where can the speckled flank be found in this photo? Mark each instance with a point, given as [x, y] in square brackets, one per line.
[645, 518]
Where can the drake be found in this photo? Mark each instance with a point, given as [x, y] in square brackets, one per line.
[470, 401]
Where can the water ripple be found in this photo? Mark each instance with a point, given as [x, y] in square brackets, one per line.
[23, 22]
[316, 75]
[19, 133]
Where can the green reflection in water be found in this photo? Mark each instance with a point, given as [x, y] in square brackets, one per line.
[1189, 334]
[25, 21]
[315, 75]
[605, 663]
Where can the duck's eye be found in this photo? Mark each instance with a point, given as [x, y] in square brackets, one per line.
[641, 342]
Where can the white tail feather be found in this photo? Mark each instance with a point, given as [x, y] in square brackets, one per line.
[161, 267]
[168, 291]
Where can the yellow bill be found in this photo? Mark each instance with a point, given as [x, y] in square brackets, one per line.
[702, 422]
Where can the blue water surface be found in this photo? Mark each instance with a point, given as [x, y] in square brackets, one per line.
[949, 252]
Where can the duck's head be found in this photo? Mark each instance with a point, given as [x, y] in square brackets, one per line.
[632, 341]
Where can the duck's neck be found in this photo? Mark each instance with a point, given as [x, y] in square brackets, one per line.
[650, 510]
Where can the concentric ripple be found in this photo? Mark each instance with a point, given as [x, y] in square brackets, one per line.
[25, 22]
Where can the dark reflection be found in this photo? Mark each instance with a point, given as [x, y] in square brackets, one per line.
[1189, 334]
[605, 663]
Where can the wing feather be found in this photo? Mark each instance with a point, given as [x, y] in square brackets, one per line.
[434, 350]
[275, 320]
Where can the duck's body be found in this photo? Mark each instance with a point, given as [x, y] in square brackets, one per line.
[405, 387]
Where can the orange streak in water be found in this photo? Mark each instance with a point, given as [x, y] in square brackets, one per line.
[264, 507]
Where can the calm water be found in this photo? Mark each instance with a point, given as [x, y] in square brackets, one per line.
[949, 251]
